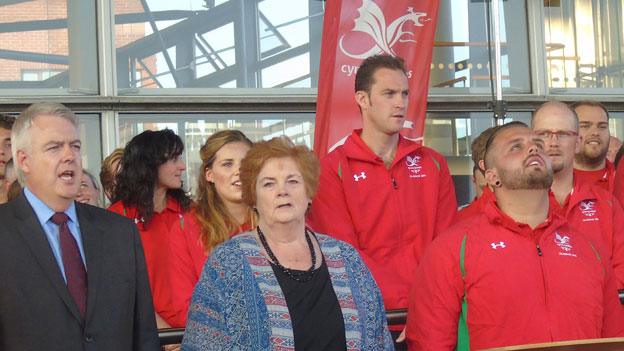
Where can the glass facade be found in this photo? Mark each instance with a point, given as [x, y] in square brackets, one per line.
[584, 44]
[35, 50]
[460, 62]
[217, 44]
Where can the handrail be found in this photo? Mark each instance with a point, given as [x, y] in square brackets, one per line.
[168, 336]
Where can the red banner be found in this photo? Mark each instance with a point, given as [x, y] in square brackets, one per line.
[356, 29]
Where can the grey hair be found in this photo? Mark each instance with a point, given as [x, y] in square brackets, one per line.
[96, 183]
[20, 136]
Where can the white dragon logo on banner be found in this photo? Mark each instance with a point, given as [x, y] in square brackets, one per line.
[371, 21]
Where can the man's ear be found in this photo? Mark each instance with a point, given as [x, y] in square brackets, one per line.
[577, 144]
[492, 178]
[362, 99]
[482, 165]
[23, 161]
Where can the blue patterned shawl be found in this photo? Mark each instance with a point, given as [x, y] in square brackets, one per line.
[238, 303]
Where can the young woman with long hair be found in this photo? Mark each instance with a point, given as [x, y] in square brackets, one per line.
[149, 190]
[218, 214]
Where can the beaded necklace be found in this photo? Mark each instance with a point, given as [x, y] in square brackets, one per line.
[296, 275]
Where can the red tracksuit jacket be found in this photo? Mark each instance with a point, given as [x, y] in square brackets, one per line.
[596, 213]
[604, 178]
[619, 183]
[522, 286]
[389, 215]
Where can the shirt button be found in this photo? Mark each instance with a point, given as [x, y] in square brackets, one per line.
[88, 338]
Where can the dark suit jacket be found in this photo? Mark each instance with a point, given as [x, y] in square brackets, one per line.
[36, 310]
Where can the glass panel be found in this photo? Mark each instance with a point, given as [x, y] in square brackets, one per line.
[451, 134]
[89, 125]
[212, 44]
[35, 52]
[195, 129]
[584, 43]
[460, 61]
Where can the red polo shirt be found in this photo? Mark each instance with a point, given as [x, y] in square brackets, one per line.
[155, 238]
[188, 256]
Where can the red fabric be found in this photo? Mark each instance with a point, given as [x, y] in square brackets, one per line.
[475, 207]
[156, 244]
[75, 272]
[596, 213]
[604, 178]
[515, 296]
[389, 223]
[354, 30]
[187, 262]
[618, 188]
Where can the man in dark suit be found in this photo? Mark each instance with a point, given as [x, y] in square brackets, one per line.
[73, 276]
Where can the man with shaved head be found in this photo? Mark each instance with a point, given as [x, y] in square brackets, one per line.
[517, 273]
[587, 207]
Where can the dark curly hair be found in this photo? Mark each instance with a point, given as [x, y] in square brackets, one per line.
[138, 177]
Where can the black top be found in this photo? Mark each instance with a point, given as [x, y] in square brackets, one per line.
[314, 311]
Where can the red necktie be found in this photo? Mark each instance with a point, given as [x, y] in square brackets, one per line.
[75, 272]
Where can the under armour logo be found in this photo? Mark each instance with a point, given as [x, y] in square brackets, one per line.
[497, 245]
[358, 177]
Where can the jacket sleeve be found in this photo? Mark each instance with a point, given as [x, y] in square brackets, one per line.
[145, 332]
[613, 311]
[617, 256]
[447, 202]
[206, 327]
[181, 270]
[435, 299]
[618, 190]
[330, 215]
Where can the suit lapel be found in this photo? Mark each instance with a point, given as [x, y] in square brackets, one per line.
[31, 232]
[92, 235]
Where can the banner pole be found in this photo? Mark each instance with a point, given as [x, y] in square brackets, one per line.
[499, 106]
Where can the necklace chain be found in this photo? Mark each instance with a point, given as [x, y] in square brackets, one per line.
[297, 275]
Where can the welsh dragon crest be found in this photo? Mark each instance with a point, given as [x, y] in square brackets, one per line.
[371, 21]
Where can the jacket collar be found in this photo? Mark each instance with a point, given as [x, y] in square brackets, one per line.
[553, 221]
[580, 192]
[356, 148]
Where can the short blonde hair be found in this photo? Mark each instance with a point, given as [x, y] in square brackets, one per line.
[280, 147]
[109, 170]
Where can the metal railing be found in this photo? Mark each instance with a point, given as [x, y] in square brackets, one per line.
[171, 336]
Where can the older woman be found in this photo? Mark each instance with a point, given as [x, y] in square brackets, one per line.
[218, 214]
[283, 286]
[89, 192]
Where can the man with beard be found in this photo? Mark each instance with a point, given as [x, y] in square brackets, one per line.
[516, 273]
[591, 164]
[587, 207]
